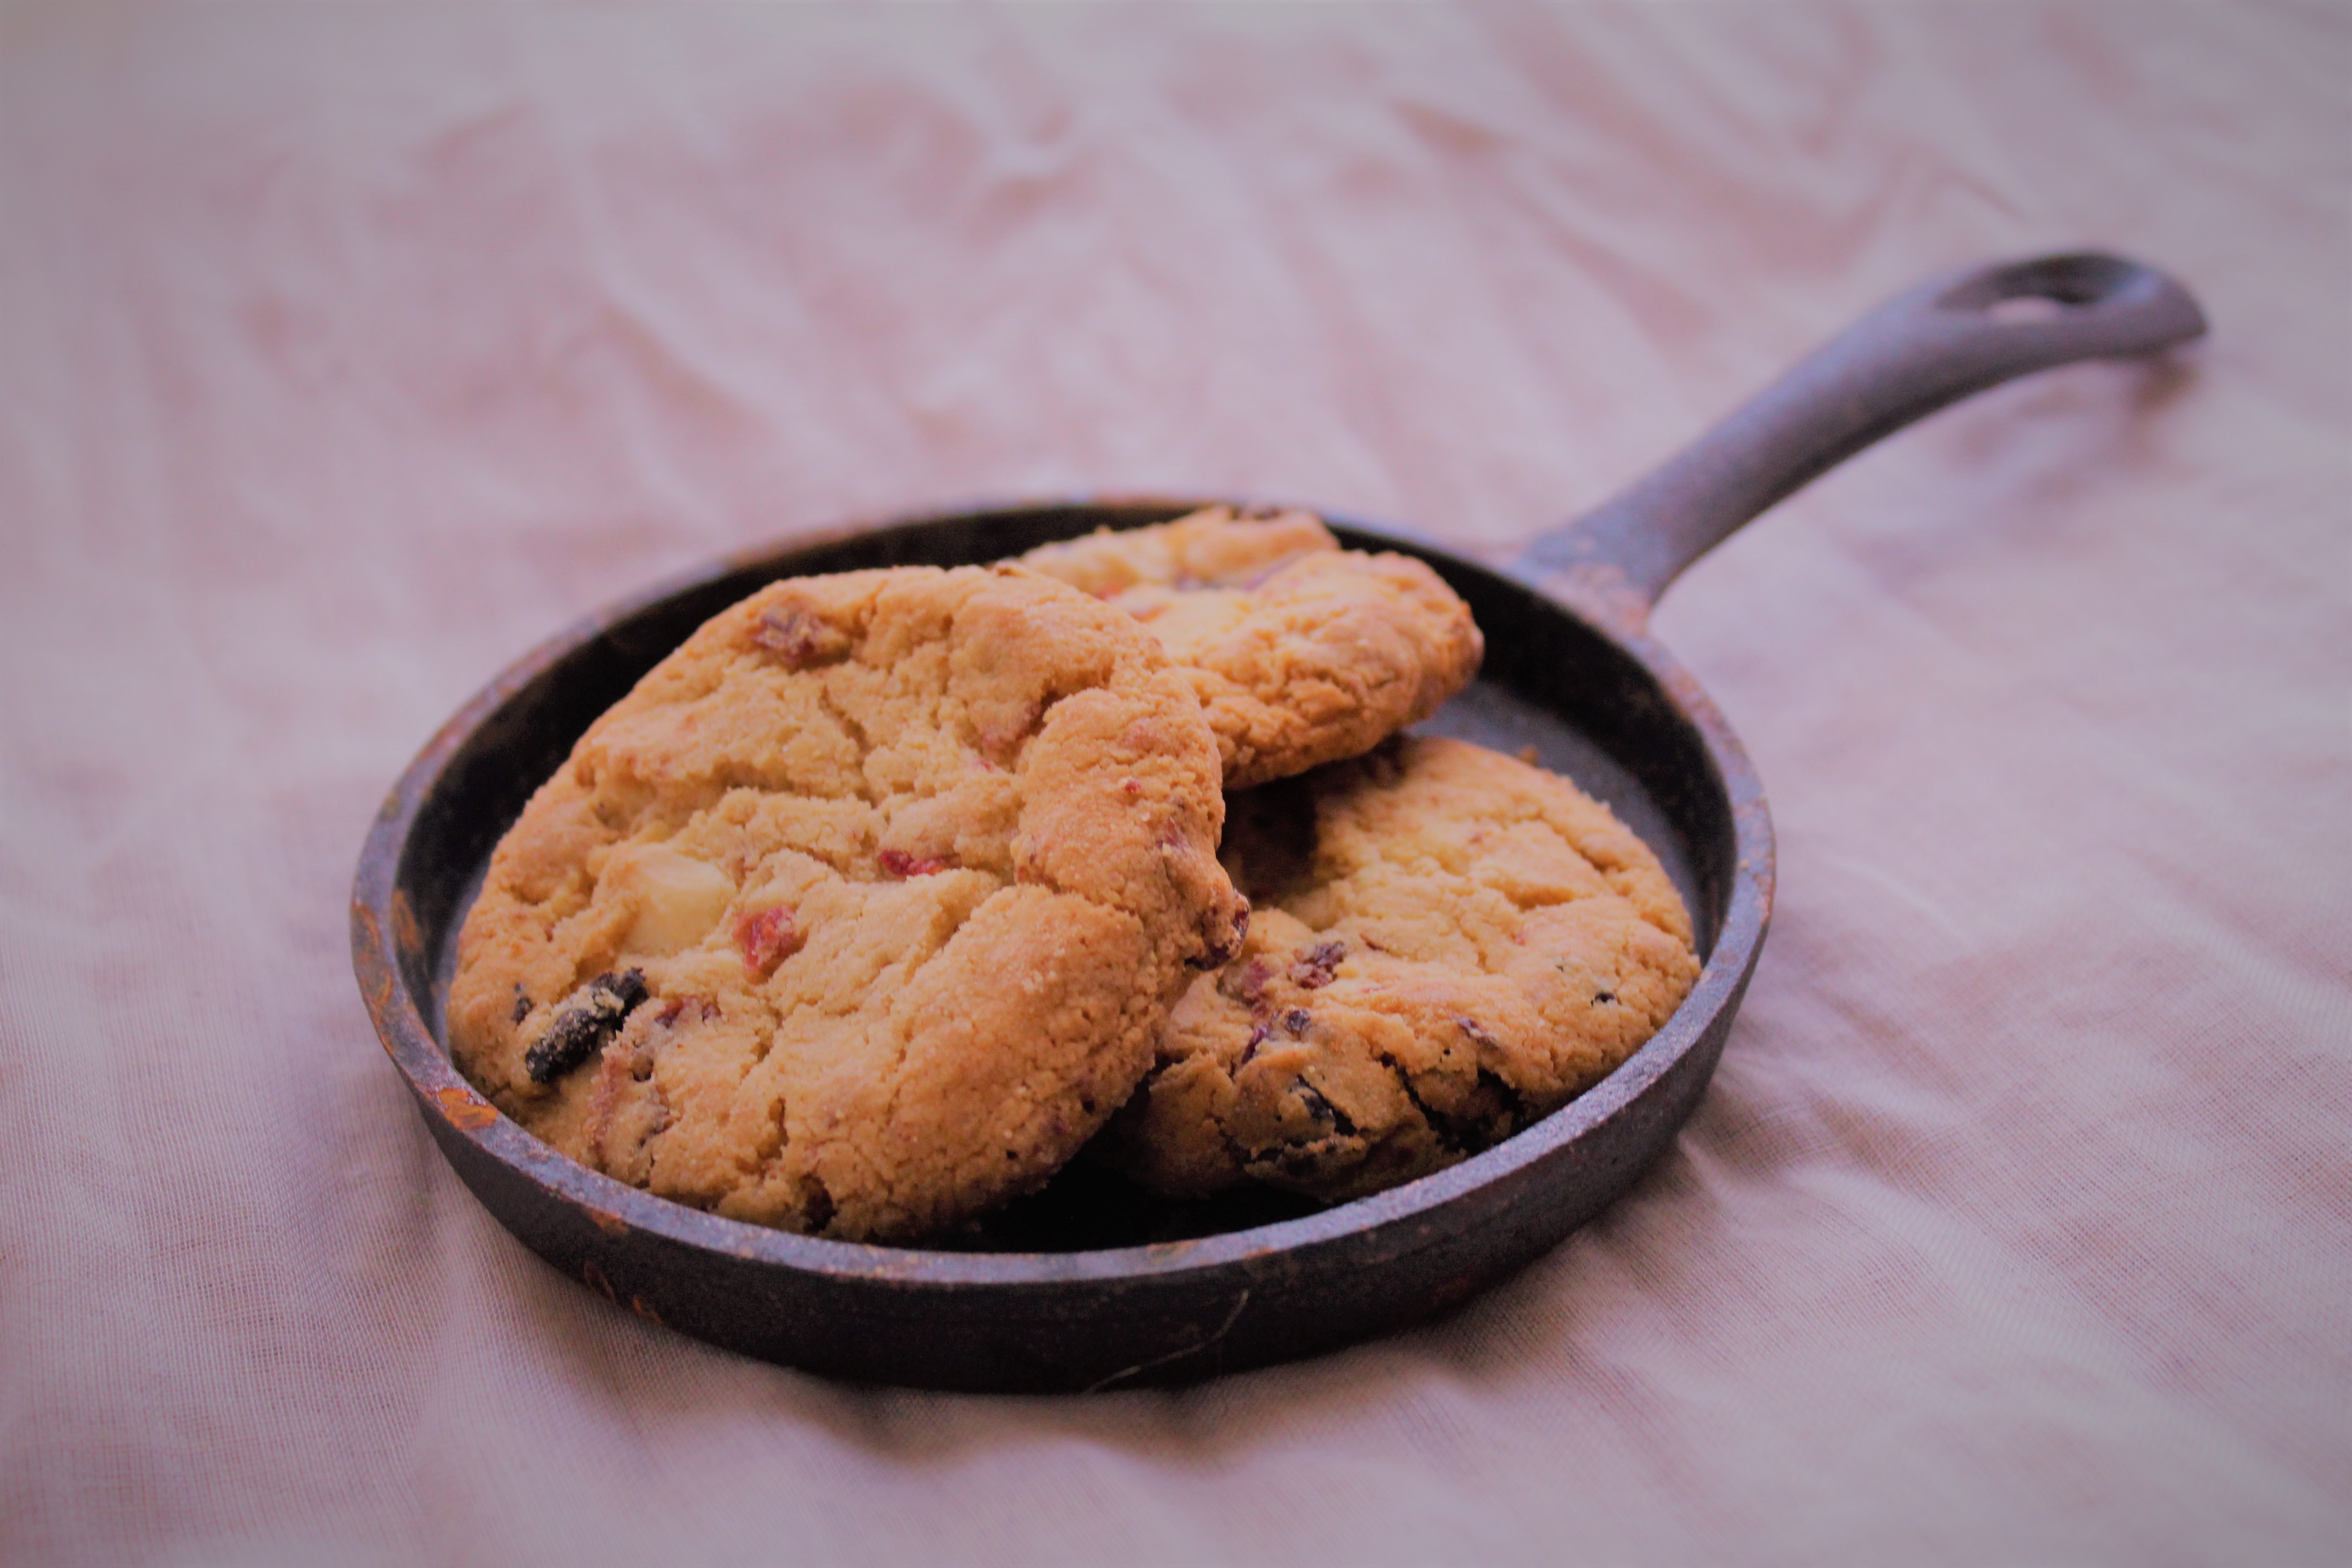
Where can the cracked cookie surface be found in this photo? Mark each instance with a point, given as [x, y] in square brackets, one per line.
[861, 912]
[1448, 944]
[1302, 653]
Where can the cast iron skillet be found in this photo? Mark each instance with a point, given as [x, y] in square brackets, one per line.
[1088, 1285]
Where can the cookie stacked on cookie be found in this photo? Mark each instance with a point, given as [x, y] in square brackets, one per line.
[1448, 945]
[1302, 653]
[876, 900]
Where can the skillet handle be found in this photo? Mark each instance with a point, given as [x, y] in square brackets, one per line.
[1956, 334]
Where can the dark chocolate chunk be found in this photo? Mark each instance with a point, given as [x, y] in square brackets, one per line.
[1324, 1111]
[594, 1016]
[522, 1003]
[1295, 1022]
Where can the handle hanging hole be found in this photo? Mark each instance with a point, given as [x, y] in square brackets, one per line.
[2044, 288]
[2028, 308]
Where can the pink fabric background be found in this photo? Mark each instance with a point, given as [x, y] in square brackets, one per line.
[350, 352]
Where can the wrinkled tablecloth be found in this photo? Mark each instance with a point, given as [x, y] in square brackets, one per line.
[351, 350]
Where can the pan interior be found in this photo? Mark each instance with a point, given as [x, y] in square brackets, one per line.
[1551, 687]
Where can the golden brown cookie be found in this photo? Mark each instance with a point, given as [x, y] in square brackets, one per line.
[861, 912]
[1302, 652]
[1447, 946]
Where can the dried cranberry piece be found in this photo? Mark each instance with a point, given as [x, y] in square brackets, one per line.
[675, 1008]
[898, 863]
[1316, 965]
[766, 938]
[1246, 985]
[796, 638]
[1220, 953]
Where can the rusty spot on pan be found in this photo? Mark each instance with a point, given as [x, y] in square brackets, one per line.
[404, 923]
[465, 1108]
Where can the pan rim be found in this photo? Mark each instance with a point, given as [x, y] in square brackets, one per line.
[381, 920]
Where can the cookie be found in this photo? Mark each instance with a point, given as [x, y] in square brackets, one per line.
[861, 912]
[1448, 945]
[1302, 652]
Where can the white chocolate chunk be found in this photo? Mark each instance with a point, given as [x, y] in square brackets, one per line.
[678, 899]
